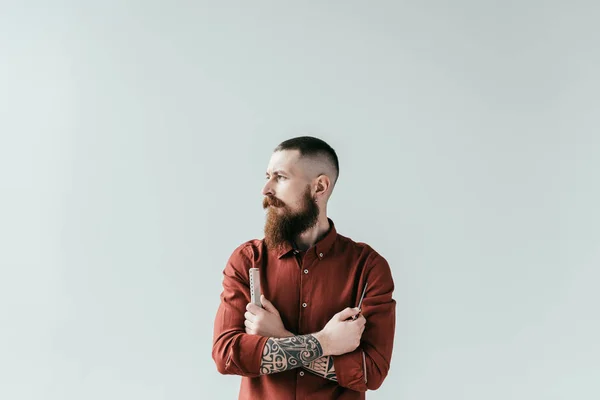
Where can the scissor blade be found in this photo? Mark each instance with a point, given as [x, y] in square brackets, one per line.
[363, 295]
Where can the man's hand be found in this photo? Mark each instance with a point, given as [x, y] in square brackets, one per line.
[340, 336]
[264, 321]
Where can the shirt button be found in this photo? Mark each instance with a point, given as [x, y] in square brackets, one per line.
[304, 305]
[306, 271]
[301, 373]
[320, 255]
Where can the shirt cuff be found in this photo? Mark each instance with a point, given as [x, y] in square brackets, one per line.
[245, 356]
[349, 370]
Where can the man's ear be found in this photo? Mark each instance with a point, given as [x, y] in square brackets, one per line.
[323, 184]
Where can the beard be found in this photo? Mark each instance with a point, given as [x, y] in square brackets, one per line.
[282, 225]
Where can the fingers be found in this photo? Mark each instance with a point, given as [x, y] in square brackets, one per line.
[249, 327]
[268, 305]
[249, 316]
[254, 309]
[361, 322]
[347, 313]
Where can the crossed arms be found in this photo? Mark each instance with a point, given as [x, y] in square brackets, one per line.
[236, 351]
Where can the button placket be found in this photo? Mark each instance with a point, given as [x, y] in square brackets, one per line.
[304, 305]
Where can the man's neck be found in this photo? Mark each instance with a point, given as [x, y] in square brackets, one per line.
[308, 239]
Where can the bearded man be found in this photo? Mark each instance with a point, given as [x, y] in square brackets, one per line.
[326, 326]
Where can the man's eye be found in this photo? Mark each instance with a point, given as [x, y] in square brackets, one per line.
[280, 177]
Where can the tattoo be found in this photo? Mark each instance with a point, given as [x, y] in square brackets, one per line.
[289, 353]
[323, 367]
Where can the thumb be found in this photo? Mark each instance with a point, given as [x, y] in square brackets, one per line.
[267, 305]
[347, 313]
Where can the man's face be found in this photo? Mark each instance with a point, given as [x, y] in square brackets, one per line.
[288, 200]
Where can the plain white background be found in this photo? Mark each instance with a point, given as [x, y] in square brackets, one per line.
[134, 141]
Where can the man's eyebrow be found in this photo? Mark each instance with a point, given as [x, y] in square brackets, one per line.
[277, 172]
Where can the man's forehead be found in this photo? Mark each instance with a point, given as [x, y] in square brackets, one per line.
[285, 160]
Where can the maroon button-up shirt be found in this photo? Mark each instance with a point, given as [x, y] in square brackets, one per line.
[330, 277]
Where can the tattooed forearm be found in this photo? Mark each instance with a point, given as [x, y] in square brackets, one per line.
[322, 367]
[289, 353]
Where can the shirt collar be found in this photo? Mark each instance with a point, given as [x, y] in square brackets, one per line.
[322, 247]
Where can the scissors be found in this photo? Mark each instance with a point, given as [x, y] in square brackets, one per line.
[360, 301]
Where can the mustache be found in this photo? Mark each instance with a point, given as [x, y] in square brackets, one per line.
[273, 202]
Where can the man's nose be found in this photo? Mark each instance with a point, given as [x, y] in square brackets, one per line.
[267, 190]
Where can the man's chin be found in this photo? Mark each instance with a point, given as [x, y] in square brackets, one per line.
[273, 209]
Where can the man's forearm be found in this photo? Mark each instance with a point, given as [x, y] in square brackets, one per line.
[290, 352]
[322, 366]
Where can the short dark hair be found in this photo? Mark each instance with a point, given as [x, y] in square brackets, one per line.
[312, 146]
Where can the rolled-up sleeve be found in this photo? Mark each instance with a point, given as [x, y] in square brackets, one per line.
[234, 351]
[379, 308]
